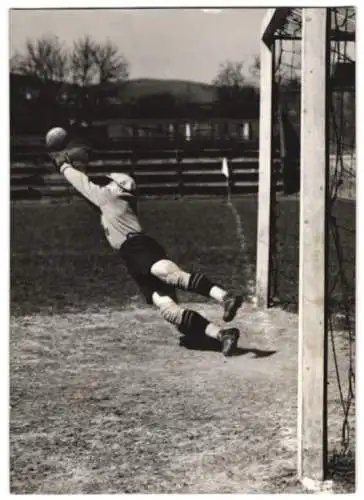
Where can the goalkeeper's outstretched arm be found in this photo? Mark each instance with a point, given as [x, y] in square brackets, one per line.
[80, 181]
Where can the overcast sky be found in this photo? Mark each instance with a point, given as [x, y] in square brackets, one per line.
[167, 43]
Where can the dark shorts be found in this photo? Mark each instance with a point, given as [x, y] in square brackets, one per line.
[140, 252]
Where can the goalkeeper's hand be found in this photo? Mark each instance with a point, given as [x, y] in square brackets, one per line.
[72, 155]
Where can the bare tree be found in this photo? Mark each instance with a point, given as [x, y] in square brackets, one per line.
[82, 61]
[229, 81]
[45, 58]
[110, 64]
[95, 63]
[44, 63]
[235, 92]
[254, 68]
[230, 74]
[87, 65]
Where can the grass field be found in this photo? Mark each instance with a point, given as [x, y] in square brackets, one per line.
[105, 400]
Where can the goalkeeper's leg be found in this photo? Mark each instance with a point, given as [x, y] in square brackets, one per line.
[170, 273]
[191, 322]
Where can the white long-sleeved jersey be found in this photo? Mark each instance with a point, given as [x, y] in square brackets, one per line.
[118, 208]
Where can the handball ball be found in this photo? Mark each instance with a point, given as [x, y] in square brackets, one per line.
[56, 139]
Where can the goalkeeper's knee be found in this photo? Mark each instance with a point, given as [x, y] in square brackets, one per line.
[170, 273]
[168, 308]
[173, 275]
[186, 320]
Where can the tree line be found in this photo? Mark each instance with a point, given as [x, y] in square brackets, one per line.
[88, 76]
[86, 63]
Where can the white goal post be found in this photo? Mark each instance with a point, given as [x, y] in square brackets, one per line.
[312, 355]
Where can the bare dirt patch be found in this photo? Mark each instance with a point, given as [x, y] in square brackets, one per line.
[109, 402]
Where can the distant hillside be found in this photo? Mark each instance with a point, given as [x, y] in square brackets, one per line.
[137, 98]
[201, 93]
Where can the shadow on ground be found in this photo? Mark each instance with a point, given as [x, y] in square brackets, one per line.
[204, 343]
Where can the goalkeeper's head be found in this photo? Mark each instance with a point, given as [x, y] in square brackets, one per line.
[123, 182]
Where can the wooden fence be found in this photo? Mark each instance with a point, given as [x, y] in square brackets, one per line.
[177, 171]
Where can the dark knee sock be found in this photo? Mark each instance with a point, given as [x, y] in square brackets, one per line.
[200, 284]
[193, 323]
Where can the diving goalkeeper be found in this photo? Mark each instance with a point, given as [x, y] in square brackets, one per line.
[147, 262]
